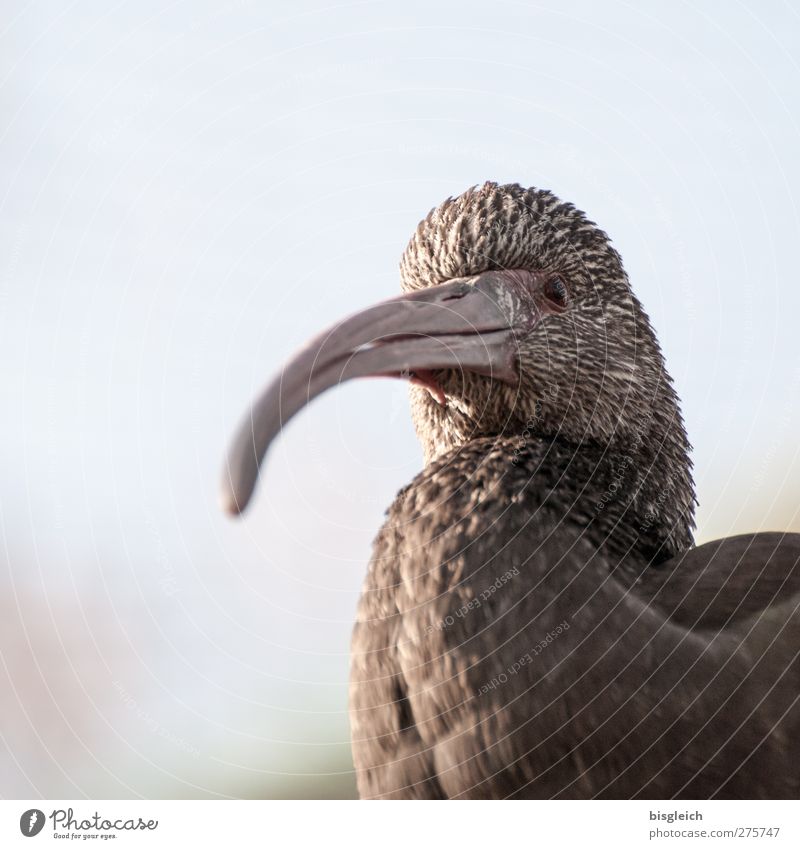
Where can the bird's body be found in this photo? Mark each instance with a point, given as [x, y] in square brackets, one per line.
[515, 640]
[536, 621]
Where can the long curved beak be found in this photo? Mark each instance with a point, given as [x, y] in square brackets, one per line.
[466, 324]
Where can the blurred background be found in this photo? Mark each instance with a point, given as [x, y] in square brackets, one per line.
[188, 191]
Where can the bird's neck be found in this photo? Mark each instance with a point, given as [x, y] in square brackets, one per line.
[640, 451]
[633, 497]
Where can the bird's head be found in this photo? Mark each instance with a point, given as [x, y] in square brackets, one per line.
[517, 318]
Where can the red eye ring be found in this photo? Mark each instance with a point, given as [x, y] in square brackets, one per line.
[555, 290]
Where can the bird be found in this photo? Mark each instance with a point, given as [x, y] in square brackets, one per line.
[537, 620]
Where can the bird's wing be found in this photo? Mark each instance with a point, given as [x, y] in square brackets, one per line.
[740, 596]
[722, 583]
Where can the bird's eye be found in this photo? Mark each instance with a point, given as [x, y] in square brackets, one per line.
[555, 289]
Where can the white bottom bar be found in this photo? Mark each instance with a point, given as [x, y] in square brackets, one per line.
[399, 825]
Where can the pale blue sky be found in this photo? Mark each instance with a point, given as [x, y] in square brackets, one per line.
[189, 190]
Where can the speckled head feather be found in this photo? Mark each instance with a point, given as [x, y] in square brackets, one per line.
[594, 374]
[494, 226]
